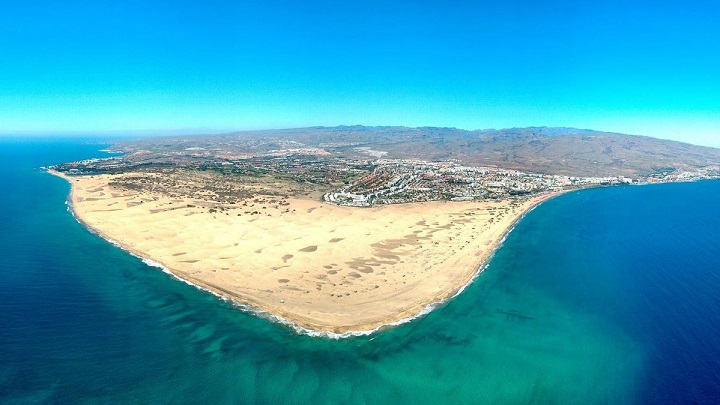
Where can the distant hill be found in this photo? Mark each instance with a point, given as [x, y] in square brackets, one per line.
[565, 151]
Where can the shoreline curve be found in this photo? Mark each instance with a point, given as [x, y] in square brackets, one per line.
[255, 308]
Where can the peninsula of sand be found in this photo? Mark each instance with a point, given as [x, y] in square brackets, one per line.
[322, 267]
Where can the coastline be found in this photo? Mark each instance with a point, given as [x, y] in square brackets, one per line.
[303, 324]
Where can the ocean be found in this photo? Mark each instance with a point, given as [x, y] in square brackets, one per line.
[608, 295]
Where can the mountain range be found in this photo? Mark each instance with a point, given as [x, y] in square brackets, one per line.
[549, 150]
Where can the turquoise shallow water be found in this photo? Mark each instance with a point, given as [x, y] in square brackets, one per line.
[599, 296]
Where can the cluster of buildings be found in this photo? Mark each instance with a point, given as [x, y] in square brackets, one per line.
[406, 181]
[671, 175]
[368, 182]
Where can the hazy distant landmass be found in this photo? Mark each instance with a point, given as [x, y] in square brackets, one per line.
[270, 219]
[562, 151]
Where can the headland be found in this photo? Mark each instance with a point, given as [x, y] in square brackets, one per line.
[325, 268]
[344, 230]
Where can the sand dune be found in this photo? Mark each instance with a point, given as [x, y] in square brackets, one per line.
[323, 267]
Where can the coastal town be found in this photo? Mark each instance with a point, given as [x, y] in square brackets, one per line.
[356, 182]
[407, 181]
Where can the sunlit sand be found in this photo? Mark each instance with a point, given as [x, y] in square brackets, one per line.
[323, 267]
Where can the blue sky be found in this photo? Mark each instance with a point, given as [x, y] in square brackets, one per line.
[637, 67]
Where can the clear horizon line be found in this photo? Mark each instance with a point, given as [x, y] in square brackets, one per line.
[223, 130]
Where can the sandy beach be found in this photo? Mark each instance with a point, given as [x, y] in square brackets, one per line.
[323, 267]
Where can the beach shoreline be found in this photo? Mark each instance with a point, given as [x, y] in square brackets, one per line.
[275, 310]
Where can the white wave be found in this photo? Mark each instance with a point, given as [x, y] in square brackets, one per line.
[247, 308]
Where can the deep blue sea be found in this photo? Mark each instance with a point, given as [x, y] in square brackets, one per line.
[602, 296]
